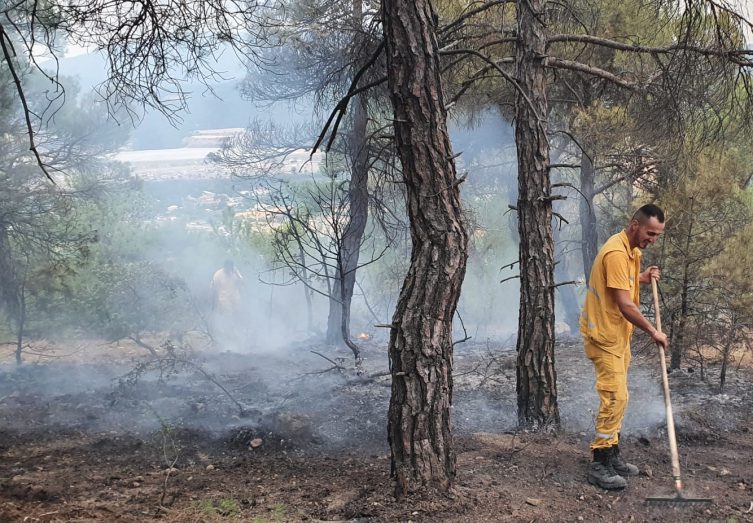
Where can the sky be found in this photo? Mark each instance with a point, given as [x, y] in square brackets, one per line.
[746, 9]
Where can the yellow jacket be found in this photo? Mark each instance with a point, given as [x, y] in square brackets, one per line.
[616, 266]
[227, 290]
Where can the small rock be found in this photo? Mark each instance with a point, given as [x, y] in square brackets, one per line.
[136, 484]
[580, 518]
[533, 501]
[256, 443]
[648, 471]
[210, 467]
[724, 472]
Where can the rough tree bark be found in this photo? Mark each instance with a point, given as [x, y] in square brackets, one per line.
[536, 375]
[420, 348]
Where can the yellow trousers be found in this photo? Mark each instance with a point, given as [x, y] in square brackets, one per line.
[611, 383]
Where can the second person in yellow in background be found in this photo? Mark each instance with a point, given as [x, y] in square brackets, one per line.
[227, 284]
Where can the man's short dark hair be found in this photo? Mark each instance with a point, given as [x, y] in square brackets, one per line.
[649, 211]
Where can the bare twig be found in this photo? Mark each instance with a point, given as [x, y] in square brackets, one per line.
[339, 111]
[8, 55]
[334, 363]
[465, 332]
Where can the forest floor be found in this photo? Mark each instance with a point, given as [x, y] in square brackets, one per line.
[89, 433]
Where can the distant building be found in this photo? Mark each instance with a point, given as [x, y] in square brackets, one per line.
[186, 163]
[211, 138]
[190, 162]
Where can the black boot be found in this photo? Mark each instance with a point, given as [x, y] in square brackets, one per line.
[601, 472]
[620, 466]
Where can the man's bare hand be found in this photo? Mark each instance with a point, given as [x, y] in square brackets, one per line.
[660, 339]
[651, 272]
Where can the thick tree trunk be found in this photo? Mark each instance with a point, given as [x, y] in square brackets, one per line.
[306, 286]
[588, 232]
[9, 287]
[338, 325]
[358, 197]
[568, 298]
[726, 351]
[420, 348]
[679, 340]
[20, 325]
[536, 375]
[334, 318]
[678, 347]
[11, 291]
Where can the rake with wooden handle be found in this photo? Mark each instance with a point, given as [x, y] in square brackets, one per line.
[678, 499]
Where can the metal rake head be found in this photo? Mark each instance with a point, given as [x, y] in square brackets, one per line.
[677, 501]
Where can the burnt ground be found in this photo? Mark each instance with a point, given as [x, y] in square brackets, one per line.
[79, 444]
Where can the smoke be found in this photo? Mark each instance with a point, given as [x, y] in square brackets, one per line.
[579, 401]
[261, 368]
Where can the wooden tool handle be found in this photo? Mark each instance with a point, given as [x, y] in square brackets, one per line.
[667, 401]
[657, 312]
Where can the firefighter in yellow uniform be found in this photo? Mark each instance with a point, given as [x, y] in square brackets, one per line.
[610, 312]
[226, 289]
[229, 325]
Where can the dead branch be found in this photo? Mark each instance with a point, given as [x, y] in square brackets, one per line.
[335, 365]
[8, 54]
[170, 364]
[742, 57]
[137, 341]
[560, 63]
[465, 332]
[339, 111]
[458, 22]
[502, 73]
[572, 282]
